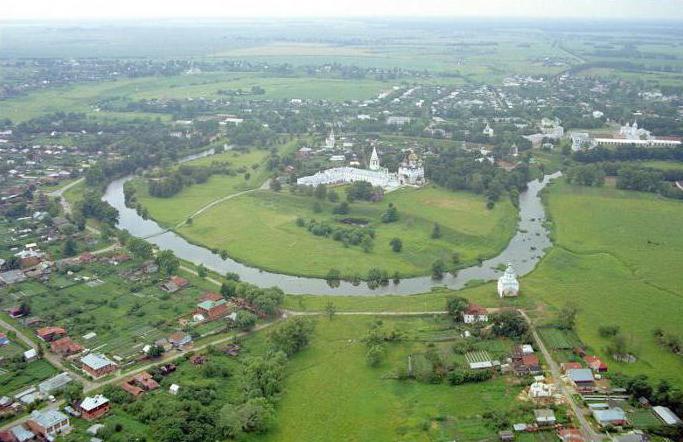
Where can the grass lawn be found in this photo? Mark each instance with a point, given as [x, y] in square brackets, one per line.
[259, 228]
[662, 165]
[331, 394]
[617, 257]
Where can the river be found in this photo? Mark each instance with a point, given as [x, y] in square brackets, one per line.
[524, 251]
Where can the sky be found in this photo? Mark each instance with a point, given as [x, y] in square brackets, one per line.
[131, 9]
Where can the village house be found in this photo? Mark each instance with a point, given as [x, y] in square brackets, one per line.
[595, 364]
[94, 407]
[97, 365]
[474, 313]
[12, 277]
[4, 340]
[570, 435]
[211, 310]
[65, 347]
[49, 423]
[524, 361]
[544, 417]
[49, 334]
[566, 366]
[609, 417]
[582, 378]
[21, 434]
[179, 339]
[54, 384]
[174, 284]
[140, 383]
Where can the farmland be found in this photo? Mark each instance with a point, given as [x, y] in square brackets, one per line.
[85, 97]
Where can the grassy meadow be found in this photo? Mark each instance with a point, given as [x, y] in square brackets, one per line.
[171, 211]
[259, 228]
[617, 258]
[333, 395]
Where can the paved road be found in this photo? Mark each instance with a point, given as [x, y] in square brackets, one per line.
[586, 428]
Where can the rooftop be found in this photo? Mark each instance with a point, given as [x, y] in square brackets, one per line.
[48, 418]
[96, 361]
[580, 375]
[90, 403]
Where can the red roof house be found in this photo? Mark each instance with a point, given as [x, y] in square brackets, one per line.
[49, 334]
[595, 364]
[65, 347]
[569, 366]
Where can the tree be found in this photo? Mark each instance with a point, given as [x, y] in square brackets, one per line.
[456, 305]
[438, 269]
[69, 248]
[320, 191]
[341, 209]
[366, 244]
[155, 351]
[317, 208]
[139, 248]
[168, 263]
[256, 415]
[245, 320]
[73, 391]
[330, 309]
[396, 244]
[292, 336]
[332, 196]
[275, 185]
[436, 231]
[201, 271]
[509, 323]
[567, 316]
[374, 355]
[391, 215]
[262, 376]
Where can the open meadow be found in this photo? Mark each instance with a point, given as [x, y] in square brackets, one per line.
[617, 258]
[171, 211]
[332, 394]
[260, 229]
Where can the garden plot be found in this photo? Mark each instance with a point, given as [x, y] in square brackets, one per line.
[479, 359]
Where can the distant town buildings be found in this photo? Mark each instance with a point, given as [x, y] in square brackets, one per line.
[410, 172]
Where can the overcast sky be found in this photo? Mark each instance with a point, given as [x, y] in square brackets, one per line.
[118, 9]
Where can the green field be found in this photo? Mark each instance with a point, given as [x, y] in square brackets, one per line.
[333, 395]
[259, 228]
[617, 257]
[171, 211]
[84, 97]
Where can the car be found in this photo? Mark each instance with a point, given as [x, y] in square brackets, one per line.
[69, 410]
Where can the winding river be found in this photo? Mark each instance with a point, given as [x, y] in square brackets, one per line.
[524, 251]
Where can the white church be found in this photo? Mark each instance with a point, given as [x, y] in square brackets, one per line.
[410, 173]
[508, 286]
